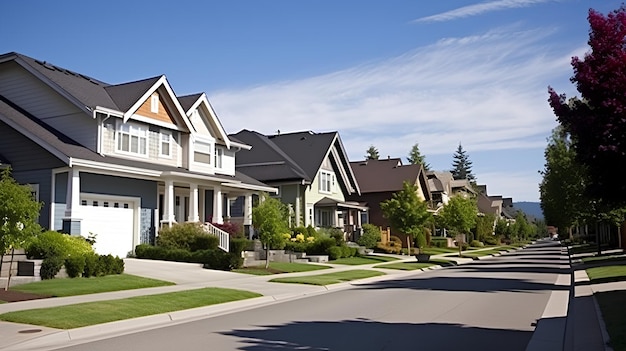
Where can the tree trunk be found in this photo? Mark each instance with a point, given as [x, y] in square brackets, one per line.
[10, 268]
[267, 257]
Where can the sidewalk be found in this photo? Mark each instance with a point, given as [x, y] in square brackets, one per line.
[187, 276]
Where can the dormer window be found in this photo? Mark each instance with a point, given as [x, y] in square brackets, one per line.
[154, 103]
[132, 138]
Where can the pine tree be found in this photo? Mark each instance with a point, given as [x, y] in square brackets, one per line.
[462, 166]
[416, 157]
[371, 153]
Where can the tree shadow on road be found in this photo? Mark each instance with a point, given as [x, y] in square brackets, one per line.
[362, 334]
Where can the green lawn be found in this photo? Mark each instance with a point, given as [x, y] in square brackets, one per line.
[411, 266]
[281, 267]
[354, 261]
[330, 278]
[607, 274]
[82, 286]
[84, 314]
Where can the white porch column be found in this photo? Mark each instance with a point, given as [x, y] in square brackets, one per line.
[247, 209]
[71, 219]
[193, 203]
[218, 217]
[358, 219]
[168, 199]
[72, 197]
[298, 208]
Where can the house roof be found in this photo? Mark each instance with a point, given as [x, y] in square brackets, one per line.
[188, 101]
[293, 157]
[438, 181]
[266, 161]
[69, 151]
[126, 95]
[384, 175]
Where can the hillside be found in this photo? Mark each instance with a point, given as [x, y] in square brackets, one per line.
[530, 208]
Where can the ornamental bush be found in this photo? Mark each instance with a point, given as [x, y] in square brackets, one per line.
[52, 243]
[186, 236]
[371, 236]
[74, 266]
[50, 267]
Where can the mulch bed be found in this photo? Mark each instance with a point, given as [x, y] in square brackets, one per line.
[15, 296]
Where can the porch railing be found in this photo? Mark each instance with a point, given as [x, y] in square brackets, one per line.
[223, 236]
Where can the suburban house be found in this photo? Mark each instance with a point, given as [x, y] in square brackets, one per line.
[117, 160]
[380, 179]
[312, 174]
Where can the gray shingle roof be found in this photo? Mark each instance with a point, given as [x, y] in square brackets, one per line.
[188, 100]
[66, 146]
[308, 148]
[127, 94]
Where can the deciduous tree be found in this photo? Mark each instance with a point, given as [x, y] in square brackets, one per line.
[597, 120]
[271, 222]
[406, 212]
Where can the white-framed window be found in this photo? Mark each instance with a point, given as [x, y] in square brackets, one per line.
[165, 143]
[154, 103]
[202, 152]
[132, 138]
[219, 154]
[326, 182]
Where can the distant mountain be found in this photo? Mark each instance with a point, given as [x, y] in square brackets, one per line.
[530, 208]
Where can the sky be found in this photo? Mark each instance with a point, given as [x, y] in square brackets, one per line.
[387, 73]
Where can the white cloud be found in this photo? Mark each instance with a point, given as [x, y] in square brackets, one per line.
[487, 91]
[478, 9]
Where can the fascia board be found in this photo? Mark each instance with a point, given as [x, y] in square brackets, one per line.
[251, 187]
[214, 120]
[113, 169]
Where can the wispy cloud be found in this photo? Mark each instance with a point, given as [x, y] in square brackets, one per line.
[487, 91]
[478, 9]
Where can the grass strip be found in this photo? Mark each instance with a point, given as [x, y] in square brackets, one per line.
[606, 274]
[330, 278]
[281, 267]
[93, 285]
[90, 313]
[355, 261]
[613, 307]
[411, 266]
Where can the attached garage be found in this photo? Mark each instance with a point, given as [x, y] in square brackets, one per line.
[114, 221]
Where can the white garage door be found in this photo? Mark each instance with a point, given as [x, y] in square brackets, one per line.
[113, 222]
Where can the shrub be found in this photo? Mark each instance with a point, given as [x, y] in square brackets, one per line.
[321, 246]
[235, 230]
[492, 240]
[74, 266]
[179, 236]
[203, 241]
[297, 247]
[50, 267]
[107, 264]
[300, 230]
[335, 253]
[310, 231]
[51, 243]
[439, 242]
[387, 248]
[347, 251]
[91, 266]
[371, 236]
[476, 243]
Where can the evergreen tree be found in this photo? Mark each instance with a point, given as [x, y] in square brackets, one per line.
[462, 166]
[416, 157]
[371, 153]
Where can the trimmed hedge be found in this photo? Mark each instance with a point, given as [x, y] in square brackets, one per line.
[186, 236]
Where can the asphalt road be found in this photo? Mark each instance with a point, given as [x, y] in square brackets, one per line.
[486, 305]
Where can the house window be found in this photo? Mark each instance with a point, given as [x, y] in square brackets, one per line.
[219, 154]
[202, 153]
[154, 103]
[326, 181]
[132, 138]
[165, 144]
[324, 218]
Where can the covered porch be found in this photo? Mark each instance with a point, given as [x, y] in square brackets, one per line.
[349, 216]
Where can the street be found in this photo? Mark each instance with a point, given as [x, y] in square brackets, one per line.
[491, 304]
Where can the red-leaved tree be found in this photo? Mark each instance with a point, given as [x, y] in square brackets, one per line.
[597, 120]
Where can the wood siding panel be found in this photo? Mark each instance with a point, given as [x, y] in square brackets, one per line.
[164, 115]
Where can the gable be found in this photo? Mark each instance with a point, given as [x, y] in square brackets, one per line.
[162, 114]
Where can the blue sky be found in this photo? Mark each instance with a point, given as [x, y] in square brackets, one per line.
[384, 73]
